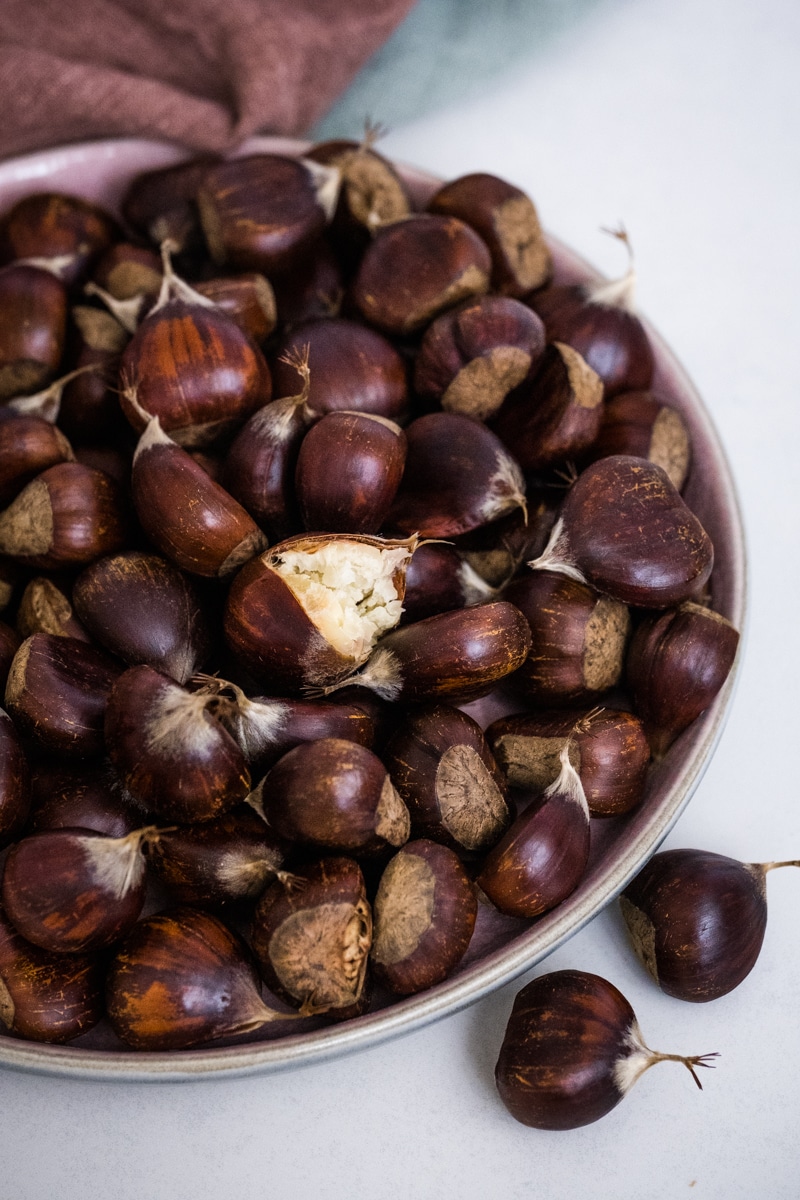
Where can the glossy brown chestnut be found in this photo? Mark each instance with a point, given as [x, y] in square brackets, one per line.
[190, 518]
[90, 410]
[33, 323]
[64, 229]
[625, 530]
[172, 754]
[312, 940]
[508, 222]
[352, 368]
[46, 997]
[640, 424]
[9, 645]
[71, 890]
[543, 856]
[15, 784]
[161, 203]
[556, 415]
[180, 978]
[247, 299]
[229, 859]
[609, 751]
[81, 797]
[678, 661]
[311, 609]
[44, 608]
[415, 269]
[311, 289]
[264, 213]
[454, 656]
[578, 638]
[66, 517]
[126, 271]
[348, 470]
[697, 920]
[372, 193]
[337, 796]
[497, 550]
[57, 692]
[458, 475]
[28, 446]
[144, 610]
[438, 580]
[441, 766]
[425, 910]
[572, 1050]
[472, 356]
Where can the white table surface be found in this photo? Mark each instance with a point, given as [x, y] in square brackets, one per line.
[680, 117]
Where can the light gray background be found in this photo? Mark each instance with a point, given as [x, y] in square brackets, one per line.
[680, 117]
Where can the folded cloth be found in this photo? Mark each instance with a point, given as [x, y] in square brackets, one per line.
[206, 73]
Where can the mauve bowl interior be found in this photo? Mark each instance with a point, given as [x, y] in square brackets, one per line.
[502, 948]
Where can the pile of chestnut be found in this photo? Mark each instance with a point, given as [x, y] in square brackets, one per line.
[289, 471]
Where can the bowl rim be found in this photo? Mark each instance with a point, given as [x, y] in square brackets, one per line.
[546, 935]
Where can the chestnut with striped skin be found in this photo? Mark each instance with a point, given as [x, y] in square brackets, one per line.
[310, 610]
[507, 220]
[472, 356]
[348, 471]
[578, 639]
[247, 299]
[572, 1050]
[640, 424]
[677, 663]
[172, 754]
[72, 890]
[83, 797]
[455, 656]
[265, 212]
[44, 608]
[66, 517]
[438, 580]
[624, 529]
[697, 920]
[15, 783]
[57, 693]
[28, 446]
[180, 978]
[554, 416]
[336, 796]
[425, 910]
[227, 860]
[312, 940]
[46, 997]
[417, 268]
[191, 519]
[192, 366]
[458, 476]
[352, 368]
[442, 767]
[543, 856]
[609, 750]
[50, 225]
[145, 611]
[33, 325]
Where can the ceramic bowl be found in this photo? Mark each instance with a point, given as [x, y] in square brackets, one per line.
[502, 948]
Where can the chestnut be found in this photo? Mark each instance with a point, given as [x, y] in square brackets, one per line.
[556, 415]
[608, 749]
[507, 221]
[44, 608]
[90, 410]
[72, 890]
[697, 920]
[678, 661]
[82, 797]
[46, 997]
[578, 639]
[438, 580]
[33, 322]
[57, 692]
[67, 516]
[312, 288]
[9, 645]
[172, 754]
[310, 610]
[28, 446]
[495, 551]
[372, 193]
[416, 268]
[182, 977]
[458, 475]
[337, 796]
[472, 356]
[263, 213]
[247, 299]
[144, 610]
[67, 229]
[442, 767]
[351, 367]
[126, 271]
[572, 1050]
[348, 470]
[641, 424]
[312, 940]
[625, 530]
[425, 910]
[15, 785]
[161, 203]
